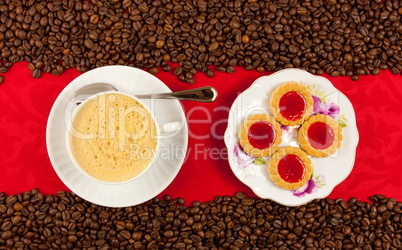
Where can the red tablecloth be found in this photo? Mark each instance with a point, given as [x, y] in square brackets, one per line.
[26, 102]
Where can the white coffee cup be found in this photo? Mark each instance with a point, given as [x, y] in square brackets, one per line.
[113, 164]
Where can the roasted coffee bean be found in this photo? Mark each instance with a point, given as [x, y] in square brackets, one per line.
[36, 73]
[237, 221]
[10, 200]
[339, 38]
[153, 70]
[6, 225]
[5, 235]
[247, 201]
[167, 68]
[159, 44]
[178, 71]
[1, 79]
[221, 69]
[213, 46]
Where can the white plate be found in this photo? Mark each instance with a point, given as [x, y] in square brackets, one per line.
[171, 152]
[328, 172]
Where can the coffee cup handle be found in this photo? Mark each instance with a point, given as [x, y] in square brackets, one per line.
[169, 128]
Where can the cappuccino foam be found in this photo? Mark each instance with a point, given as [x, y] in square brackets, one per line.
[113, 137]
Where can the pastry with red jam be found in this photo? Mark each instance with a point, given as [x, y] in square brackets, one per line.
[260, 135]
[290, 168]
[320, 135]
[291, 103]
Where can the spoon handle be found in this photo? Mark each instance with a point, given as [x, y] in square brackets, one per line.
[204, 94]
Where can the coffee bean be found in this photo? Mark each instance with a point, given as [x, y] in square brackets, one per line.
[167, 68]
[181, 57]
[221, 69]
[293, 49]
[153, 70]
[366, 222]
[190, 80]
[341, 39]
[247, 201]
[245, 39]
[210, 73]
[178, 71]
[159, 44]
[230, 69]
[395, 70]
[213, 46]
[168, 234]
[164, 222]
[1, 79]
[5, 235]
[36, 73]
[6, 225]
[375, 71]
[381, 209]
[390, 204]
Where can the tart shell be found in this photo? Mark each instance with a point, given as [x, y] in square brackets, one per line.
[274, 162]
[282, 90]
[305, 144]
[244, 141]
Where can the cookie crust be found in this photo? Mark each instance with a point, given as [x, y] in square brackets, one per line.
[304, 141]
[244, 141]
[282, 90]
[274, 162]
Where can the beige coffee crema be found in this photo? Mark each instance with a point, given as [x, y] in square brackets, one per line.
[113, 137]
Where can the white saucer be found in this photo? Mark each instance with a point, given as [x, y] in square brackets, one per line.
[171, 154]
[328, 172]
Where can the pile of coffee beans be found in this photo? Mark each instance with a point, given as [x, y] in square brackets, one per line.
[339, 37]
[65, 221]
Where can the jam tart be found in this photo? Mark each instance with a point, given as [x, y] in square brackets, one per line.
[291, 103]
[320, 135]
[260, 135]
[290, 168]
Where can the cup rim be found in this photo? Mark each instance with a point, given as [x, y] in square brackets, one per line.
[68, 134]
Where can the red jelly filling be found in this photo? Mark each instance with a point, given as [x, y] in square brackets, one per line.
[292, 105]
[261, 135]
[320, 135]
[291, 168]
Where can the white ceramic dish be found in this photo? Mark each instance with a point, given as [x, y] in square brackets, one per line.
[172, 148]
[328, 172]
